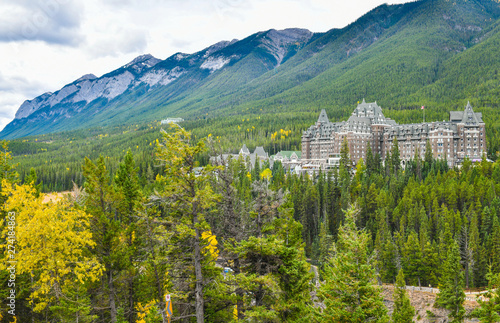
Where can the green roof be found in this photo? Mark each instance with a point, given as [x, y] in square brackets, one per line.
[288, 153]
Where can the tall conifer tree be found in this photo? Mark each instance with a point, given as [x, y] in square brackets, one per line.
[451, 289]
[349, 291]
[403, 310]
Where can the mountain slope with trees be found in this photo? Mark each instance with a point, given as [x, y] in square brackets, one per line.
[436, 53]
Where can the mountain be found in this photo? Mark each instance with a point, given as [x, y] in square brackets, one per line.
[435, 52]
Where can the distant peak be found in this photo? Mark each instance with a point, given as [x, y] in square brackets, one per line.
[290, 33]
[218, 46]
[146, 59]
[87, 77]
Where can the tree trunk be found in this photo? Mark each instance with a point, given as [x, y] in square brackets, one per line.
[467, 274]
[32, 311]
[239, 291]
[131, 300]
[112, 304]
[200, 316]
[158, 282]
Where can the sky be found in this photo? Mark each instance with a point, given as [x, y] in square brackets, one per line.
[46, 44]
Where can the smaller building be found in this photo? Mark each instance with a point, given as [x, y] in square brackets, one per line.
[173, 120]
[258, 154]
[288, 158]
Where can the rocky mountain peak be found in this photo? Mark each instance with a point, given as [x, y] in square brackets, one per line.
[146, 60]
[86, 77]
[218, 46]
[289, 35]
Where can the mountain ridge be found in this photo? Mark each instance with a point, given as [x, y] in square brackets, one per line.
[397, 54]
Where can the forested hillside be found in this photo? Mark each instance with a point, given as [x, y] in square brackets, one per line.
[436, 53]
[229, 243]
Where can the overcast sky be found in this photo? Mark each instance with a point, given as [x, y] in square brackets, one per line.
[46, 44]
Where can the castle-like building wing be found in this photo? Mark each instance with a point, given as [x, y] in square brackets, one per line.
[462, 136]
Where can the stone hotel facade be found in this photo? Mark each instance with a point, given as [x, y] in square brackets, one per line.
[462, 136]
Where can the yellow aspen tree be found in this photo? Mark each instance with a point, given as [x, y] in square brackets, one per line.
[52, 241]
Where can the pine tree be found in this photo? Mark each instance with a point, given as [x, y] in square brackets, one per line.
[345, 174]
[412, 259]
[31, 179]
[325, 243]
[107, 229]
[188, 195]
[451, 288]
[489, 312]
[417, 164]
[428, 157]
[494, 245]
[7, 169]
[275, 271]
[403, 310]
[349, 291]
[129, 202]
[395, 157]
[370, 160]
[345, 159]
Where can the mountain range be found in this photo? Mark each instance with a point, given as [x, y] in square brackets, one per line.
[440, 53]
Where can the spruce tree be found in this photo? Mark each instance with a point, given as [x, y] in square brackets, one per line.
[428, 157]
[188, 196]
[494, 245]
[403, 310]
[349, 292]
[370, 160]
[489, 312]
[412, 257]
[451, 289]
[395, 157]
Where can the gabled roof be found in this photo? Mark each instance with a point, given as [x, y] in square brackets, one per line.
[244, 150]
[323, 118]
[288, 153]
[259, 151]
[370, 113]
[468, 116]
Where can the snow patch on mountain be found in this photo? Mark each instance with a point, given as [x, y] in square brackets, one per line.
[162, 77]
[215, 63]
[218, 46]
[146, 60]
[180, 56]
[174, 74]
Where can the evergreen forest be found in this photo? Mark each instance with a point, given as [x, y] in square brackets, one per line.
[228, 242]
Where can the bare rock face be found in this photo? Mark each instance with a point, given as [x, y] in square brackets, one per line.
[89, 87]
[30, 106]
[277, 42]
[152, 72]
[423, 302]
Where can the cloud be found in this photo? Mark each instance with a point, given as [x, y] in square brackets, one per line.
[19, 84]
[50, 21]
[121, 42]
[13, 92]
